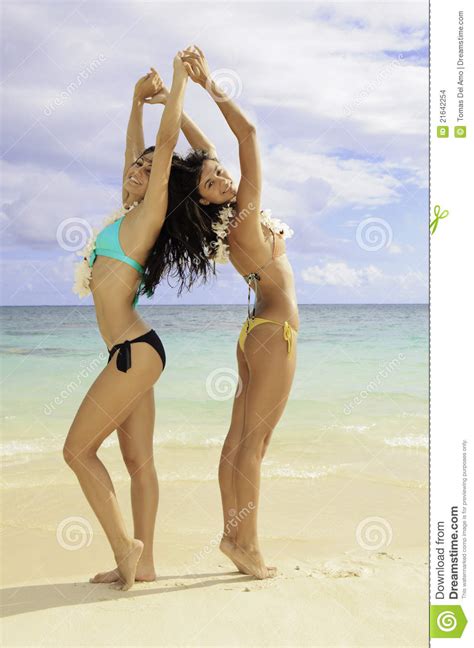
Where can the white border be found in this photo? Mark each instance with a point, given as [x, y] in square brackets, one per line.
[451, 292]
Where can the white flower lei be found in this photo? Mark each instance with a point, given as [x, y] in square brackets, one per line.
[220, 249]
[82, 271]
[275, 224]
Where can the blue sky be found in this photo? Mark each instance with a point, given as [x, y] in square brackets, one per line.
[339, 94]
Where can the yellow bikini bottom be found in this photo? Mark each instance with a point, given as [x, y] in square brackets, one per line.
[289, 333]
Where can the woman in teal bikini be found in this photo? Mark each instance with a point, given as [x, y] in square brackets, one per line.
[115, 267]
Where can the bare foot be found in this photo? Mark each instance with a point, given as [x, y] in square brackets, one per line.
[127, 564]
[144, 574]
[111, 576]
[248, 559]
[226, 547]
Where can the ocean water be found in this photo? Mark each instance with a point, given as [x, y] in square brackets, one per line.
[359, 403]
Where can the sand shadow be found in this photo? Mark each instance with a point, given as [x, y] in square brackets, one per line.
[30, 598]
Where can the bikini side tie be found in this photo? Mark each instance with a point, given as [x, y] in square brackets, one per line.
[288, 335]
[124, 355]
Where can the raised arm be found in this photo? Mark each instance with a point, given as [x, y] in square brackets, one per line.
[196, 138]
[155, 202]
[146, 86]
[249, 191]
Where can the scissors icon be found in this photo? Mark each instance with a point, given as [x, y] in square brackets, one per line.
[438, 216]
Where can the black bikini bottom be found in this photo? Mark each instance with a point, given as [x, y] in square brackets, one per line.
[124, 356]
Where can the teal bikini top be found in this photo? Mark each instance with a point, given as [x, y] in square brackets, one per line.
[107, 244]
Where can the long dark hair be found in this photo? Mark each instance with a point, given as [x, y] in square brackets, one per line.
[185, 247]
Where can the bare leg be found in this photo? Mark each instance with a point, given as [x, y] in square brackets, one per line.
[271, 372]
[227, 462]
[106, 405]
[136, 442]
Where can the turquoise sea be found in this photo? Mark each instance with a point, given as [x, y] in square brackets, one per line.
[359, 402]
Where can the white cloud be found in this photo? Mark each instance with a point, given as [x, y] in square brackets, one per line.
[369, 282]
[338, 273]
[411, 282]
[351, 223]
[393, 248]
[352, 182]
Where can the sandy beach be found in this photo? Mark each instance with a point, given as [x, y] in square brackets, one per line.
[335, 587]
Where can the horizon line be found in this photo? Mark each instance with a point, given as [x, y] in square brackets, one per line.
[223, 304]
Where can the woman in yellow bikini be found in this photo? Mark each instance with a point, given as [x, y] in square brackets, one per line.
[266, 350]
